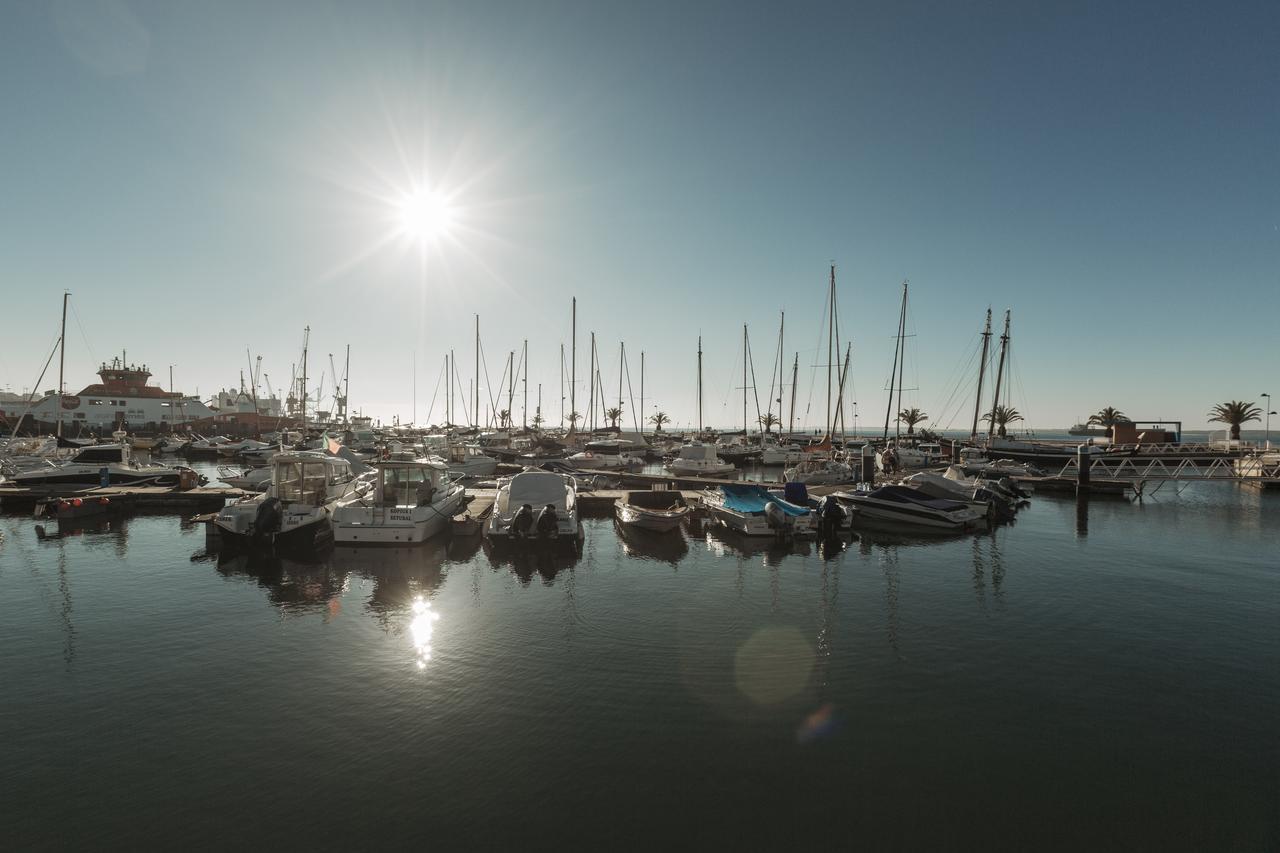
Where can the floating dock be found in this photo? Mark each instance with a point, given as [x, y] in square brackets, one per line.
[152, 498]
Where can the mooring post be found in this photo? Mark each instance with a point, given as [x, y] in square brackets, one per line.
[868, 465]
[1082, 468]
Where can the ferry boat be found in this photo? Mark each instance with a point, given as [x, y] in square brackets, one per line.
[123, 399]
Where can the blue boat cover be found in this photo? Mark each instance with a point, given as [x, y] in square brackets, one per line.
[796, 493]
[752, 498]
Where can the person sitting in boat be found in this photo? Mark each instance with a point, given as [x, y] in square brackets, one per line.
[522, 521]
[548, 524]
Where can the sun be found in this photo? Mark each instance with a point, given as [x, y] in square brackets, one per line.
[425, 216]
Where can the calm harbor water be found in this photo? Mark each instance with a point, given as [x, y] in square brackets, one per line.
[1099, 680]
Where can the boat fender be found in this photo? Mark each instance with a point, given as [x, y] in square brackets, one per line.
[76, 502]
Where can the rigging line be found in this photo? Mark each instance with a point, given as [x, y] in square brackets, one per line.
[35, 389]
[488, 386]
[956, 379]
[80, 326]
[626, 369]
[755, 389]
[432, 408]
[457, 380]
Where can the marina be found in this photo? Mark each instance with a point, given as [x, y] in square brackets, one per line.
[612, 426]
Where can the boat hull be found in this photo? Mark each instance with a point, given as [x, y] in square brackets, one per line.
[399, 525]
[658, 521]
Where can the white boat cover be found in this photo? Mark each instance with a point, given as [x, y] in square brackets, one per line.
[537, 488]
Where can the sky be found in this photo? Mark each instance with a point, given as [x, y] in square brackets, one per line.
[208, 179]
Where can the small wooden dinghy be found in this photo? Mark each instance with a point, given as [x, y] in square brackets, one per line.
[659, 511]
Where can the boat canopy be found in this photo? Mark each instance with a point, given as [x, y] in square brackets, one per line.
[753, 498]
[906, 495]
[537, 488]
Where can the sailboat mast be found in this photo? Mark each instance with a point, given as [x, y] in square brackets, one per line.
[902, 362]
[573, 367]
[897, 353]
[982, 371]
[591, 373]
[995, 399]
[641, 419]
[622, 363]
[745, 430]
[562, 385]
[524, 410]
[831, 301]
[448, 363]
[306, 340]
[699, 383]
[475, 413]
[257, 427]
[62, 358]
[782, 328]
[346, 387]
[795, 375]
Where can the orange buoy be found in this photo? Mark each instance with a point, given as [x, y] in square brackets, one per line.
[77, 502]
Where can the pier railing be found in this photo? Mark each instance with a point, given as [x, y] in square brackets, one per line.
[1258, 468]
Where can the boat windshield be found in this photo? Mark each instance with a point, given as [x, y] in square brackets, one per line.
[301, 482]
[405, 485]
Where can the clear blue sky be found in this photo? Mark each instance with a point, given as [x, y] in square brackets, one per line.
[211, 177]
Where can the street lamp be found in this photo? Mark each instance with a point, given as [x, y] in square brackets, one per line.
[1269, 414]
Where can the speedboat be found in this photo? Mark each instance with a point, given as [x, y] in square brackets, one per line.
[828, 515]
[903, 506]
[295, 511]
[750, 509]
[249, 479]
[412, 500]
[467, 460]
[590, 460]
[99, 465]
[699, 460]
[240, 448]
[820, 472]
[975, 493]
[659, 510]
[535, 509]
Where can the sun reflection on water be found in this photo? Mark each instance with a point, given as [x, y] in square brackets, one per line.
[420, 628]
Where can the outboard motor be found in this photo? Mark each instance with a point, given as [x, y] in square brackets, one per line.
[522, 521]
[832, 517]
[778, 520]
[267, 520]
[548, 522]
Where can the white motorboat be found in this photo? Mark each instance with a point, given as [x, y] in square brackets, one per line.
[463, 460]
[906, 507]
[590, 460]
[699, 460]
[659, 510]
[535, 509]
[201, 446]
[986, 501]
[820, 472]
[239, 448]
[773, 453]
[295, 511]
[750, 509]
[249, 479]
[412, 500]
[98, 465]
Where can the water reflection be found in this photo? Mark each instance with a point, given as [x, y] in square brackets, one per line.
[525, 564]
[668, 547]
[724, 542]
[420, 628]
[399, 575]
[291, 585]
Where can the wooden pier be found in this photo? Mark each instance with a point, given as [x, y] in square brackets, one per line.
[151, 498]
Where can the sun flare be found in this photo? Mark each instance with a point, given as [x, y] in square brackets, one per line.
[425, 216]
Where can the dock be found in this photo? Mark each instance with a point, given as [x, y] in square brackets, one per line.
[151, 498]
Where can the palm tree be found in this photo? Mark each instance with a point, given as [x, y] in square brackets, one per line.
[537, 420]
[1108, 418]
[573, 418]
[658, 419]
[769, 420]
[1235, 413]
[614, 415]
[1002, 416]
[911, 417]
[504, 418]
